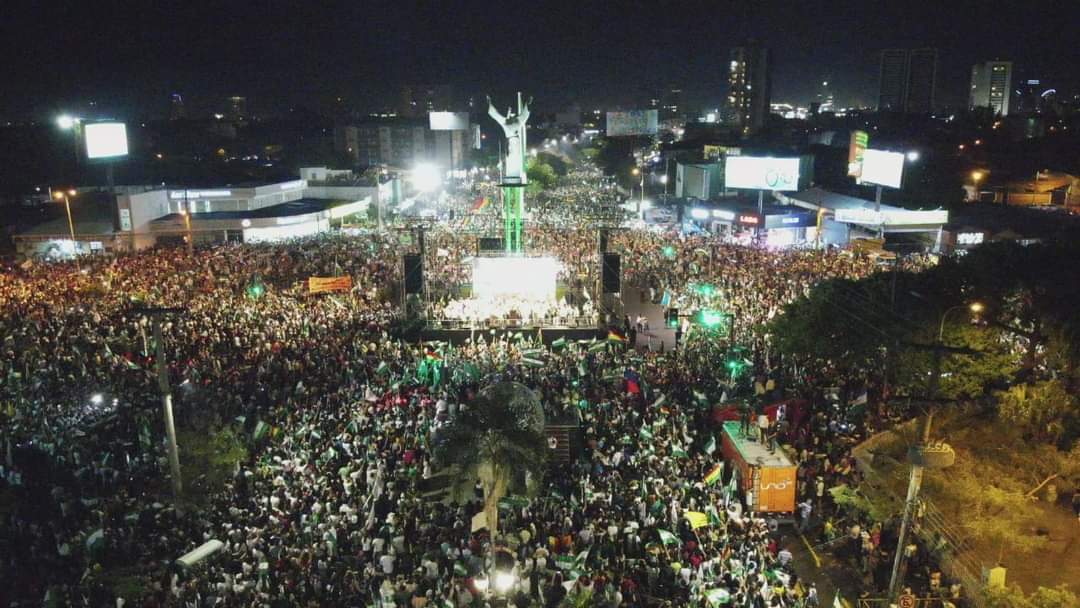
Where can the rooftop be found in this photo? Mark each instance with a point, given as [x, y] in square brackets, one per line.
[753, 451]
[297, 207]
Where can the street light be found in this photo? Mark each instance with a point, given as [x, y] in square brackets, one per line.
[913, 156]
[190, 236]
[66, 121]
[62, 195]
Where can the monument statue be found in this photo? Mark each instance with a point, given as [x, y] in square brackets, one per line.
[514, 176]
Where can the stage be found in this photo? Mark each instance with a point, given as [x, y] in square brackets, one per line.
[462, 335]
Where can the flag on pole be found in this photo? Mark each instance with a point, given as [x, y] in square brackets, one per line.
[714, 474]
[481, 204]
[697, 519]
[678, 452]
[668, 538]
[614, 335]
[260, 430]
[710, 447]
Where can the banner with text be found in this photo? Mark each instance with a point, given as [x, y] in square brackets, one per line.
[329, 284]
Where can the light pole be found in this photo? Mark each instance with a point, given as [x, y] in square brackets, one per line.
[190, 236]
[63, 195]
[155, 314]
[925, 455]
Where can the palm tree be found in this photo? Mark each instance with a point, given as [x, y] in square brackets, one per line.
[496, 439]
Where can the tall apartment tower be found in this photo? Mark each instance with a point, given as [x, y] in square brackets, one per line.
[749, 88]
[892, 80]
[991, 86]
[907, 81]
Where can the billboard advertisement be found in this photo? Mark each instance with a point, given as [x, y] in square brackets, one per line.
[448, 121]
[762, 173]
[882, 168]
[796, 219]
[105, 140]
[634, 122]
[856, 148]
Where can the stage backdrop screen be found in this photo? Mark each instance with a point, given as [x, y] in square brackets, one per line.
[528, 278]
[449, 121]
[634, 122]
[105, 139]
[761, 173]
[882, 168]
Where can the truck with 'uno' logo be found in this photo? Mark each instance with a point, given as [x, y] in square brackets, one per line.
[766, 478]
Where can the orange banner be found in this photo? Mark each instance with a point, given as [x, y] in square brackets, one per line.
[326, 284]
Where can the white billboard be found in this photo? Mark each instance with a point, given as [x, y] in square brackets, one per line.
[448, 121]
[761, 173]
[635, 122]
[105, 139]
[882, 168]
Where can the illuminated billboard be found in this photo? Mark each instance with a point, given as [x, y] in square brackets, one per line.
[635, 122]
[856, 148]
[448, 121]
[882, 168]
[761, 173]
[105, 140]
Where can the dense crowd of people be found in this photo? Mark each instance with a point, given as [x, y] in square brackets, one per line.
[332, 503]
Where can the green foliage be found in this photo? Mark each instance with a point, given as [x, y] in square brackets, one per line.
[541, 175]
[496, 438]
[557, 163]
[1043, 597]
[208, 458]
[1042, 410]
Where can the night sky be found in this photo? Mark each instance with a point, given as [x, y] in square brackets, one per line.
[129, 56]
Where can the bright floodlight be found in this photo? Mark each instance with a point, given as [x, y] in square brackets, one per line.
[526, 278]
[65, 121]
[426, 177]
[481, 584]
[503, 582]
[976, 307]
[96, 399]
[913, 156]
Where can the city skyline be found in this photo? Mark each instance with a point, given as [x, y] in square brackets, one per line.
[129, 60]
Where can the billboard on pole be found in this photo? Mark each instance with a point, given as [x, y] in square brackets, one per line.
[761, 173]
[448, 121]
[634, 122]
[856, 148]
[105, 140]
[882, 168]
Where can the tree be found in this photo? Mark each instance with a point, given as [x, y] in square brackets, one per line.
[497, 439]
[541, 175]
[1041, 410]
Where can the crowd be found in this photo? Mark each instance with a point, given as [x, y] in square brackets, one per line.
[332, 505]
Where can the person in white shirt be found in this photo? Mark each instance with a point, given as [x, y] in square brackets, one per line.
[387, 563]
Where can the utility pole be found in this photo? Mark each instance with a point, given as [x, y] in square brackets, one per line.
[925, 455]
[155, 314]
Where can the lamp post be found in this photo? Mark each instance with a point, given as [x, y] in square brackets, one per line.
[190, 236]
[925, 454]
[62, 195]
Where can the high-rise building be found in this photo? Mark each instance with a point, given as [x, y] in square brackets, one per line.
[236, 108]
[417, 100]
[907, 81]
[892, 80]
[749, 88]
[402, 143]
[922, 81]
[991, 86]
[176, 107]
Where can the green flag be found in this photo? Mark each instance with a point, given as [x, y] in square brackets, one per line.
[645, 434]
[710, 447]
[668, 538]
[260, 430]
